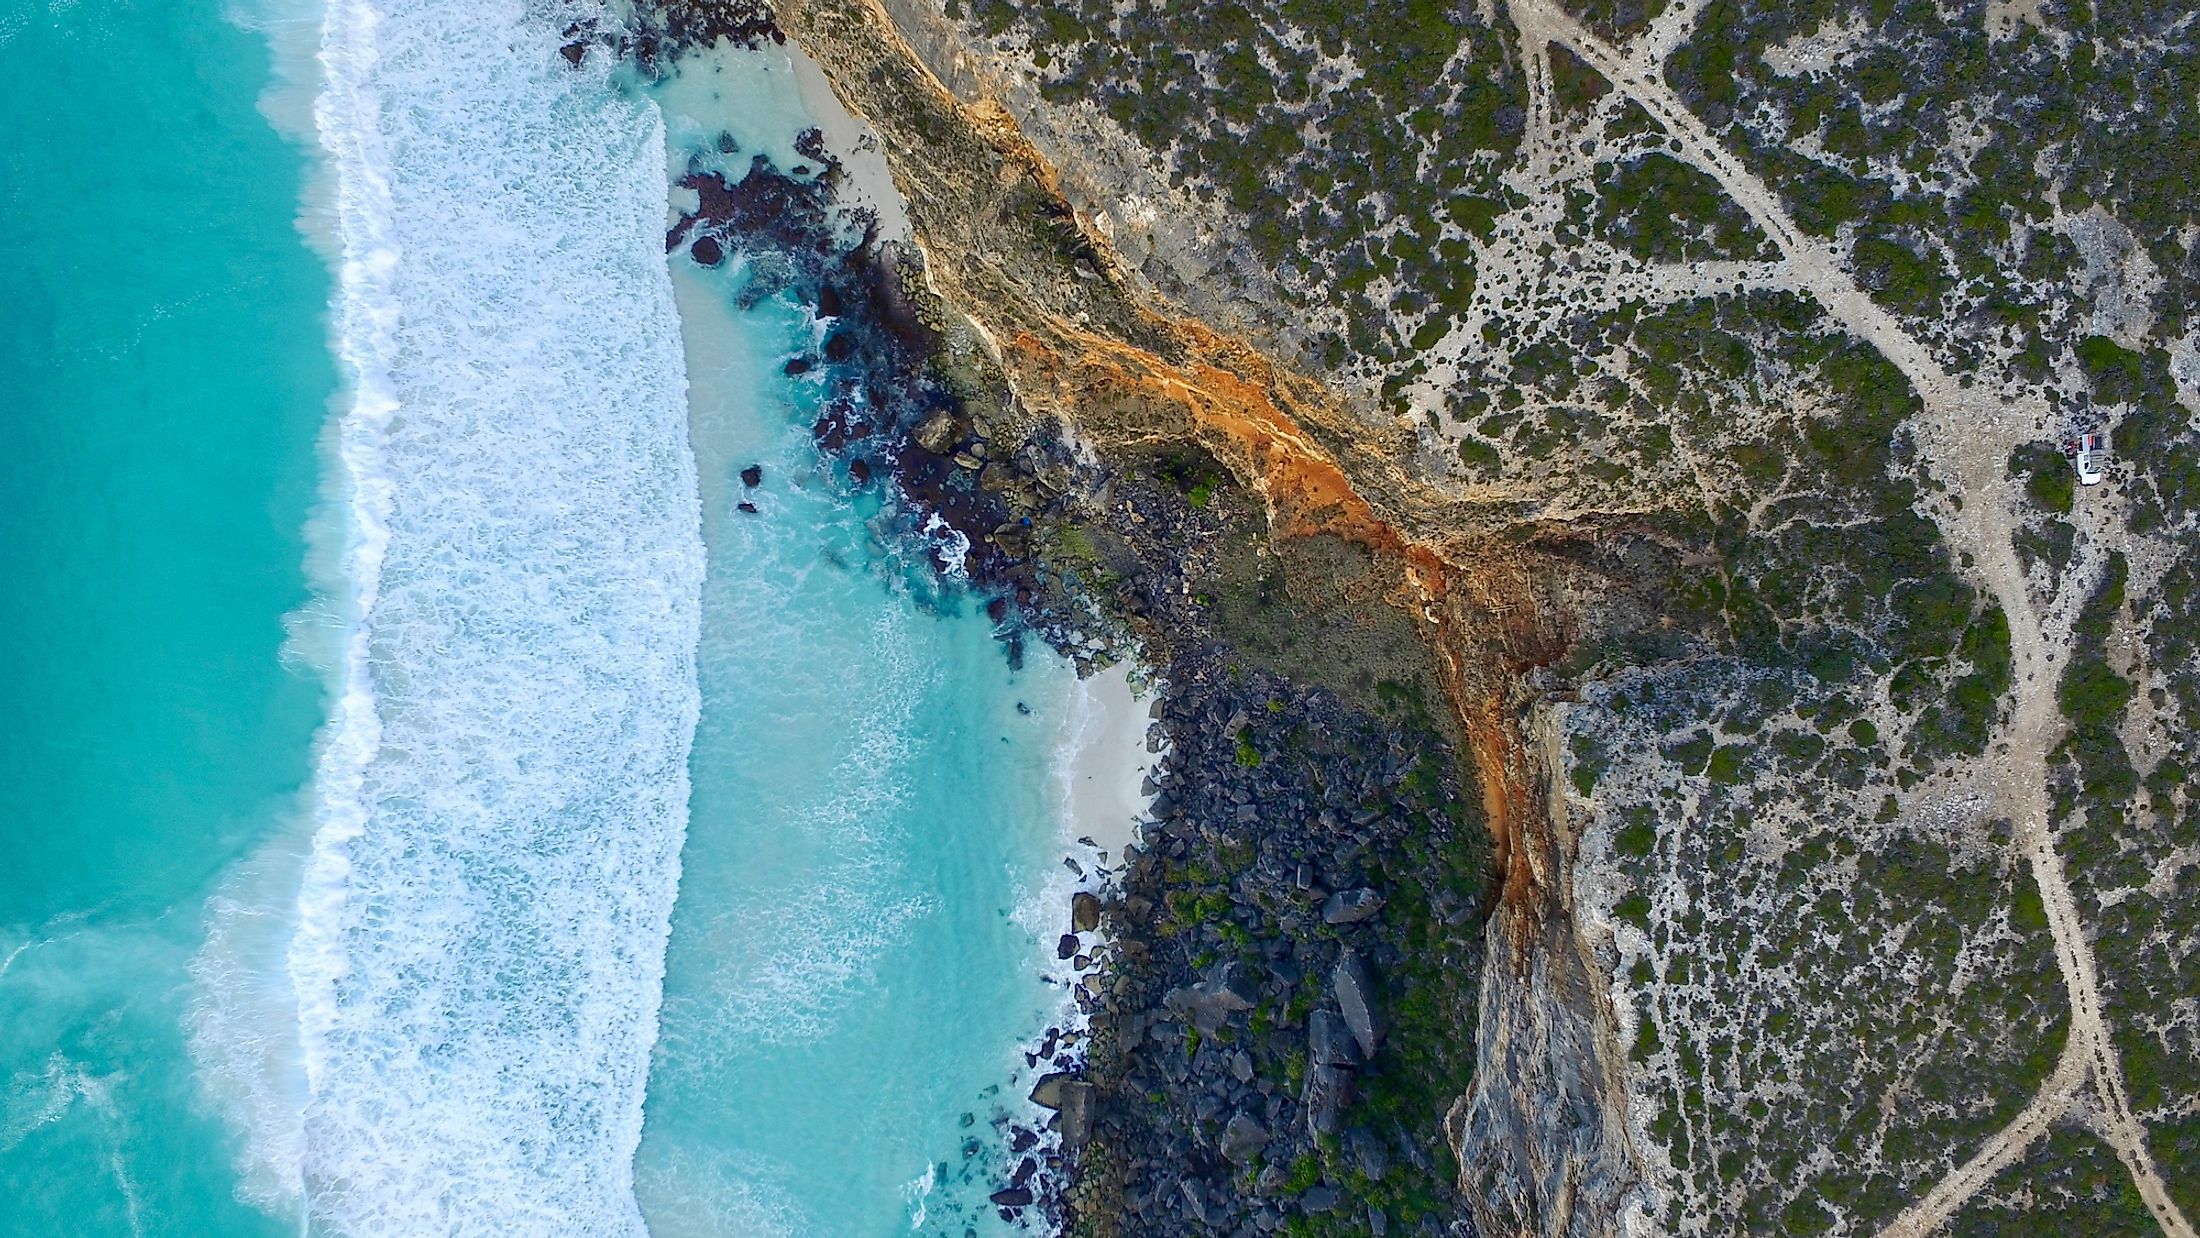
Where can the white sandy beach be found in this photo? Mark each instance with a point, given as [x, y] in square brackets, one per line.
[869, 182]
[1104, 730]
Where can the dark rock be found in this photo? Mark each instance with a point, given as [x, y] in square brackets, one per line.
[1356, 998]
[707, 251]
[1367, 1149]
[746, 506]
[1047, 1092]
[753, 476]
[1351, 906]
[1242, 1140]
[1077, 1109]
[1012, 1197]
[1209, 1004]
[1329, 1042]
[1195, 1200]
[841, 346]
[797, 365]
[1320, 1199]
[859, 471]
[1084, 911]
[1328, 1090]
[1067, 947]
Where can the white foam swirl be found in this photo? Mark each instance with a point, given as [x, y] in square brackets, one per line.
[503, 788]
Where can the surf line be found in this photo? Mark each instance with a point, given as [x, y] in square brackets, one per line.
[502, 787]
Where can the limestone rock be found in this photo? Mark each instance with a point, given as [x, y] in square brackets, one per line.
[937, 434]
[1542, 1135]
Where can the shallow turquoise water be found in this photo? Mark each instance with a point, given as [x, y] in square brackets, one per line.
[411, 977]
[163, 378]
[873, 832]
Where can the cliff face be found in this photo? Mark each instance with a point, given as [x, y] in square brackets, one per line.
[1543, 1139]
[1543, 1146]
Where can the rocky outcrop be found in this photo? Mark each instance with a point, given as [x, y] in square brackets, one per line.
[1543, 1145]
[1072, 336]
[1543, 1138]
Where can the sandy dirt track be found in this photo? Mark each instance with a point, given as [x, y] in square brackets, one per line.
[1968, 434]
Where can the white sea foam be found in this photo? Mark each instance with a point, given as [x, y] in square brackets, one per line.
[718, 1196]
[39, 1098]
[918, 1191]
[792, 957]
[241, 1019]
[1096, 771]
[502, 787]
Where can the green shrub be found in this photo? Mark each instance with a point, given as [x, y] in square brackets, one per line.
[2047, 476]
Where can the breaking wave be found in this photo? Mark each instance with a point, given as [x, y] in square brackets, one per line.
[502, 792]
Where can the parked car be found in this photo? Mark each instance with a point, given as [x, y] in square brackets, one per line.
[2091, 450]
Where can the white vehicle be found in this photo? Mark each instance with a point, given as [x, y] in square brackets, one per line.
[2091, 449]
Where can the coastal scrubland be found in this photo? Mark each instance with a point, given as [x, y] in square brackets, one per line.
[1839, 733]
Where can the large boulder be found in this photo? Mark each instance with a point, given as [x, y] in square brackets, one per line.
[1356, 998]
[1351, 906]
[1329, 1042]
[1084, 911]
[1077, 1106]
[1047, 1093]
[1243, 1139]
[1195, 1200]
[1328, 1090]
[937, 433]
[1209, 1004]
[1368, 1152]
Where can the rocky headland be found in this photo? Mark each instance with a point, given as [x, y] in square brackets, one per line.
[1343, 991]
[1568, 454]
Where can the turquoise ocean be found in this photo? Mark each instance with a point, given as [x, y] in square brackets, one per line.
[429, 803]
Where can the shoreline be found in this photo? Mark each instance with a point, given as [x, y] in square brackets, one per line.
[1102, 774]
[1102, 780]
